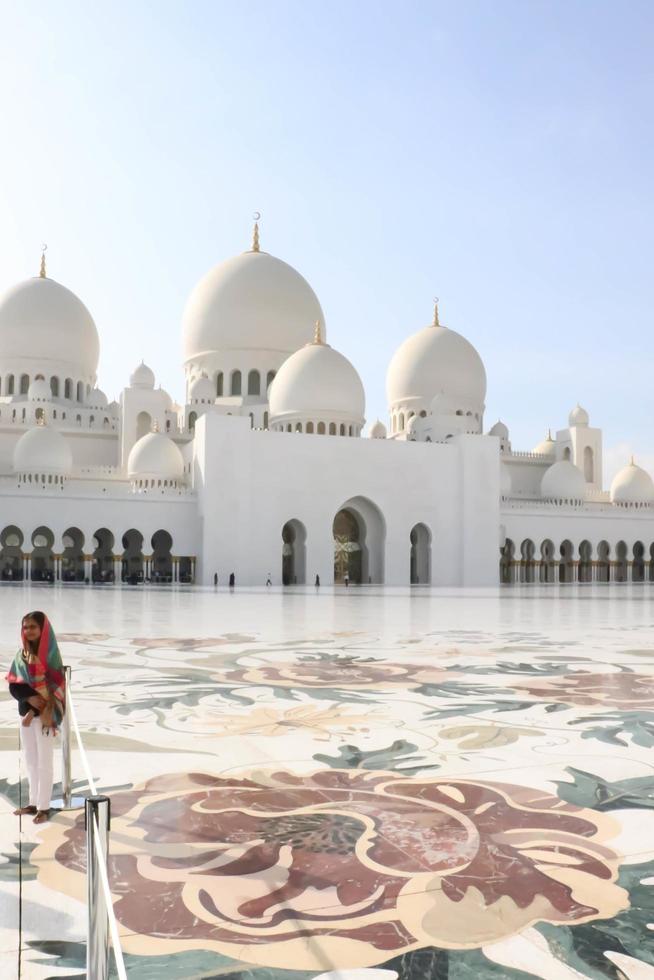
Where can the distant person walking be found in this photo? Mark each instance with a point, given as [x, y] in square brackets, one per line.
[317, 582]
[232, 580]
[346, 579]
[215, 579]
[36, 680]
[268, 580]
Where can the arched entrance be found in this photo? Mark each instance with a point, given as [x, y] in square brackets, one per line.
[527, 563]
[161, 570]
[11, 554]
[294, 537]
[585, 562]
[507, 554]
[621, 562]
[359, 534]
[547, 561]
[42, 564]
[420, 539]
[638, 564]
[103, 559]
[132, 557]
[603, 562]
[72, 557]
[566, 563]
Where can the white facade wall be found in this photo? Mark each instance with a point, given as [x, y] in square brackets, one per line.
[250, 483]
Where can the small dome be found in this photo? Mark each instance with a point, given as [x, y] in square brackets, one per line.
[42, 450]
[202, 390]
[97, 399]
[250, 302]
[142, 377]
[436, 361]
[563, 481]
[42, 321]
[632, 485]
[377, 430]
[155, 457]
[318, 384]
[546, 448]
[500, 430]
[578, 416]
[39, 390]
[505, 481]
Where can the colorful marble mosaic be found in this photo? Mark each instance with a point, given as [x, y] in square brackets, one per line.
[411, 797]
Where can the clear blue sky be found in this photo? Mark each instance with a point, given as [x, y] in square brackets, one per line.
[496, 154]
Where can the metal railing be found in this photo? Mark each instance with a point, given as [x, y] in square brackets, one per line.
[101, 920]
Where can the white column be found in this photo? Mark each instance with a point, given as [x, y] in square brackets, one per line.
[118, 569]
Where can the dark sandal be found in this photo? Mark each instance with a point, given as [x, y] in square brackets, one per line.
[41, 816]
[23, 810]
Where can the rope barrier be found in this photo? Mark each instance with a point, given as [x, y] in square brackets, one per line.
[101, 857]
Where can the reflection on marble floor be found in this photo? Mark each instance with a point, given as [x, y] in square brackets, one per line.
[449, 790]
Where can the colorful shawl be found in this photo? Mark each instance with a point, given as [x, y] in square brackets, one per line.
[43, 672]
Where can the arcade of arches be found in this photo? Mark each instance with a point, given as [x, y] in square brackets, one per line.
[101, 560]
[359, 536]
[566, 563]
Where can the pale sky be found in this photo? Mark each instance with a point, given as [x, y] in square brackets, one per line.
[497, 154]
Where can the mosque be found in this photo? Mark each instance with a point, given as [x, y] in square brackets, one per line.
[267, 470]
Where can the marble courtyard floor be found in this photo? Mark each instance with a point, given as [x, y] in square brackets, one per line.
[430, 784]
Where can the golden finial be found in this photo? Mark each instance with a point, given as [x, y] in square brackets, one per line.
[549, 435]
[317, 333]
[255, 231]
[44, 249]
[436, 322]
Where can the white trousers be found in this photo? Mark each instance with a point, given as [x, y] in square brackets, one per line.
[38, 751]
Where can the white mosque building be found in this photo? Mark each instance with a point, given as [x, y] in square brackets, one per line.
[267, 469]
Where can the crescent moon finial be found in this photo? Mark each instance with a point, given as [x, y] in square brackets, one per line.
[44, 249]
[255, 231]
[436, 320]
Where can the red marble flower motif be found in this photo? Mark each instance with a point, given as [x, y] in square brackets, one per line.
[625, 690]
[337, 673]
[341, 868]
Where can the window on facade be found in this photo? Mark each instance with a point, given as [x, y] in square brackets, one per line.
[269, 378]
[219, 384]
[236, 383]
[54, 387]
[24, 383]
[254, 383]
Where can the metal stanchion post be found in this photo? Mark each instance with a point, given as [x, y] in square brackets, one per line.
[67, 801]
[97, 942]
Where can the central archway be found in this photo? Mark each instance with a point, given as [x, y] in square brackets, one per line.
[420, 539]
[294, 538]
[359, 534]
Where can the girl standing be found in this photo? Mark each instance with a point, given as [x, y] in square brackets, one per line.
[36, 680]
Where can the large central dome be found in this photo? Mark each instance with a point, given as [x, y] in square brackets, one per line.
[250, 302]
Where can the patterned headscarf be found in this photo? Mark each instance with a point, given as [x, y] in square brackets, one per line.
[43, 671]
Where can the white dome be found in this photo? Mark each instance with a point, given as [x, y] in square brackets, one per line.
[317, 383]
[97, 398]
[578, 416]
[500, 430]
[41, 321]
[505, 481]
[546, 448]
[632, 485]
[42, 450]
[436, 361]
[202, 390]
[39, 390]
[377, 430]
[250, 302]
[155, 457]
[142, 377]
[563, 481]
